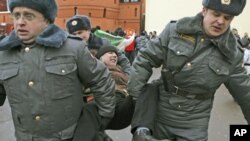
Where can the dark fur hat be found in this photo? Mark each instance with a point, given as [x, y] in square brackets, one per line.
[105, 49]
[78, 22]
[46, 7]
[231, 7]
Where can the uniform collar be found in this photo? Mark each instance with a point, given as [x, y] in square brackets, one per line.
[52, 36]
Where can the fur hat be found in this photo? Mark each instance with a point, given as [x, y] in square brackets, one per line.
[231, 7]
[46, 7]
[105, 49]
[78, 22]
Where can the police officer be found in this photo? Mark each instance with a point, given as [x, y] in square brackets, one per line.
[198, 55]
[42, 72]
[80, 25]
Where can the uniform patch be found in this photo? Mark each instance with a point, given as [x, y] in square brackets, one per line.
[225, 2]
[74, 23]
[187, 38]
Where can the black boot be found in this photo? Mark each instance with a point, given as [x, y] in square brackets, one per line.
[144, 135]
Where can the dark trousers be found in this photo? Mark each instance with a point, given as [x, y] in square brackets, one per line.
[89, 124]
[131, 56]
[146, 108]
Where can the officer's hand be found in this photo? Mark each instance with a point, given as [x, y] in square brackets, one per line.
[146, 138]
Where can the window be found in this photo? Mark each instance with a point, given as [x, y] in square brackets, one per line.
[127, 1]
[135, 12]
[104, 12]
[3, 6]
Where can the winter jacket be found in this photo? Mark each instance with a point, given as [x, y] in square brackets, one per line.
[221, 63]
[43, 83]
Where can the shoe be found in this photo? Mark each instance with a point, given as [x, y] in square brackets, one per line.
[144, 135]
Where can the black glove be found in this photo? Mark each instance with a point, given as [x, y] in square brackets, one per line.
[146, 138]
[145, 135]
[105, 122]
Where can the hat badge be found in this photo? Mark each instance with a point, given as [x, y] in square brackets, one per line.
[226, 2]
[74, 23]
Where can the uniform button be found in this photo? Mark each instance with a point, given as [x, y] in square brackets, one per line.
[37, 118]
[189, 64]
[27, 49]
[202, 39]
[63, 71]
[217, 70]
[31, 83]
[178, 52]
[179, 106]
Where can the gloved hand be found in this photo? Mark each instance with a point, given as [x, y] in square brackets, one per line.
[105, 122]
[145, 136]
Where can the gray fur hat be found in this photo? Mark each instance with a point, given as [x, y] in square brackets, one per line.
[78, 22]
[231, 7]
[46, 7]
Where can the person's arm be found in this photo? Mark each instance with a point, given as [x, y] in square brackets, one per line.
[238, 85]
[2, 95]
[124, 62]
[96, 76]
[152, 56]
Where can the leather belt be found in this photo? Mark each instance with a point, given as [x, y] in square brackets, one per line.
[178, 91]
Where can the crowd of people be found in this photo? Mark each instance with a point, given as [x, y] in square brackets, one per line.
[73, 85]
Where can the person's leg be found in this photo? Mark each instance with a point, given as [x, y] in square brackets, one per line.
[146, 107]
[123, 112]
[89, 124]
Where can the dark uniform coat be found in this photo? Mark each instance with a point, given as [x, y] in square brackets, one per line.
[221, 63]
[43, 83]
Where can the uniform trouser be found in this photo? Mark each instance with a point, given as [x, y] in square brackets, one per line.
[144, 117]
[89, 124]
[180, 134]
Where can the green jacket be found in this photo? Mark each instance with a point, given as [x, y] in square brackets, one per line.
[44, 84]
[222, 63]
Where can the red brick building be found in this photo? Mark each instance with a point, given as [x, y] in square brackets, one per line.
[108, 14]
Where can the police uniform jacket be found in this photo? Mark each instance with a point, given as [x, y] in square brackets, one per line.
[43, 83]
[221, 63]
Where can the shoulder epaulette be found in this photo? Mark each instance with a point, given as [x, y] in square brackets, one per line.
[74, 37]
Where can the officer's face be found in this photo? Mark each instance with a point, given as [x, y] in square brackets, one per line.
[215, 23]
[28, 23]
[84, 34]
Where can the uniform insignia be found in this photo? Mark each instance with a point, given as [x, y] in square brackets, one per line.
[188, 38]
[74, 23]
[226, 2]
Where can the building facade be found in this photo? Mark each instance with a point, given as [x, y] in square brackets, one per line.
[108, 14]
